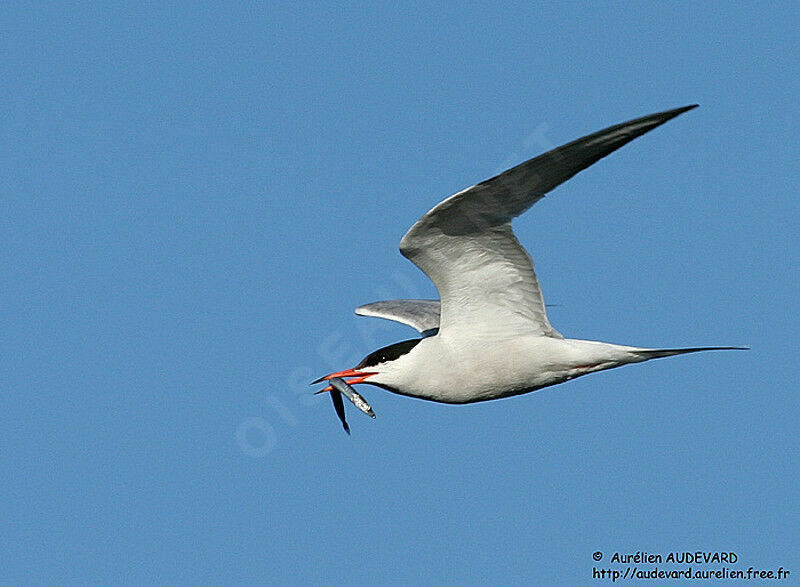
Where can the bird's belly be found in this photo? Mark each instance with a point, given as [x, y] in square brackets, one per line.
[484, 372]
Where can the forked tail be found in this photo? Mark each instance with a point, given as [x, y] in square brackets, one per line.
[648, 354]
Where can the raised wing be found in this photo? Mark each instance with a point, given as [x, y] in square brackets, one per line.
[423, 315]
[465, 244]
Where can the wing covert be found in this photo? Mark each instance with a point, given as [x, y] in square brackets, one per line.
[422, 315]
[465, 244]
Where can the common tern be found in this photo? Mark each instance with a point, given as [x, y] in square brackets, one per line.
[488, 336]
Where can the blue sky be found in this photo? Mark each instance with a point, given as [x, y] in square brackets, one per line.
[195, 198]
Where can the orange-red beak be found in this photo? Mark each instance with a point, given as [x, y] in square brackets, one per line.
[360, 376]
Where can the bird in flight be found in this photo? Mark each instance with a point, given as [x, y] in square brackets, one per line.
[488, 336]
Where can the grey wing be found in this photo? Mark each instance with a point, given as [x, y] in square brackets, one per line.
[422, 315]
[465, 244]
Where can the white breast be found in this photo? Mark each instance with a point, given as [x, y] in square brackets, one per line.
[463, 371]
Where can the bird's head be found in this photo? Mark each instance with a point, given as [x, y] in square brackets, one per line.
[376, 367]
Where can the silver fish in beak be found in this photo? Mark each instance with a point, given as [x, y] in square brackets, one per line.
[347, 390]
[339, 387]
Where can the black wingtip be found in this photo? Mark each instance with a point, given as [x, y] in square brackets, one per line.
[677, 111]
[660, 118]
